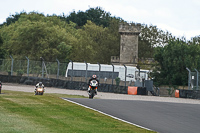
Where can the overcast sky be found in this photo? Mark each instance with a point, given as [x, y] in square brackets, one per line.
[179, 17]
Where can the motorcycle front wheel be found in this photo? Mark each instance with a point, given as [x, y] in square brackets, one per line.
[91, 96]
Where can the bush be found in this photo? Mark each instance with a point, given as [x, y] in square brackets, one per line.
[20, 72]
[117, 81]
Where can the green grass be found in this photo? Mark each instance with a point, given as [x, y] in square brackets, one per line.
[23, 112]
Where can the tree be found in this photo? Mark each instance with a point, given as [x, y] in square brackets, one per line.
[172, 61]
[2, 50]
[35, 35]
[13, 18]
[96, 15]
[88, 38]
[195, 40]
[145, 49]
[151, 37]
[96, 44]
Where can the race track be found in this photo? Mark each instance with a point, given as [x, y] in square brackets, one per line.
[162, 117]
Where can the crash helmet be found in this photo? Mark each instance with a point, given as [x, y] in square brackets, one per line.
[94, 76]
[40, 83]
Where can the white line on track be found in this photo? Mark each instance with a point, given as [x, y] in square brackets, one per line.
[107, 114]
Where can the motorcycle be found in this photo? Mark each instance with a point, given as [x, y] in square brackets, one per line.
[93, 87]
[39, 91]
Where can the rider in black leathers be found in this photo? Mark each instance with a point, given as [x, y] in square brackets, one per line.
[94, 77]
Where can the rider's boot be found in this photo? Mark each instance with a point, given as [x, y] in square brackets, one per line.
[35, 91]
[88, 90]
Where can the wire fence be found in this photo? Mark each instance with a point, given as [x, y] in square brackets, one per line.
[193, 80]
[33, 68]
[55, 70]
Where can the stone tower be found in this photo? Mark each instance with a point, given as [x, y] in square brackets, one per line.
[129, 42]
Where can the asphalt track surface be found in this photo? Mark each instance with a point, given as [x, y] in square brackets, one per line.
[161, 114]
[161, 117]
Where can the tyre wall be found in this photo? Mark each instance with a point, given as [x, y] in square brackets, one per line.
[193, 94]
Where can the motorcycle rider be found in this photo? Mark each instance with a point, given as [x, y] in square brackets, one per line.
[94, 77]
[39, 85]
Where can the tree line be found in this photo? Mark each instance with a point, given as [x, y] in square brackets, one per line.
[93, 36]
[35, 35]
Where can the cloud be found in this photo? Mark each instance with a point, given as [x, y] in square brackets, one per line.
[178, 33]
[197, 2]
[163, 12]
[2, 21]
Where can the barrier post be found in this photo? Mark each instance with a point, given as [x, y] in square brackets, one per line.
[12, 65]
[27, 67]
[72, 70]
[58, 68]
[86, 71]
[197, 84]
[189, 78]
[125, 74]
[112, 72]
[99, 69]
[42, 66]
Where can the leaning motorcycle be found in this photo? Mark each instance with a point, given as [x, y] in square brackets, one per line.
[93, 87]
[39, 91]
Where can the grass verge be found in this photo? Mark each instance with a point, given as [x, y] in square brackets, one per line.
[23, 112]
